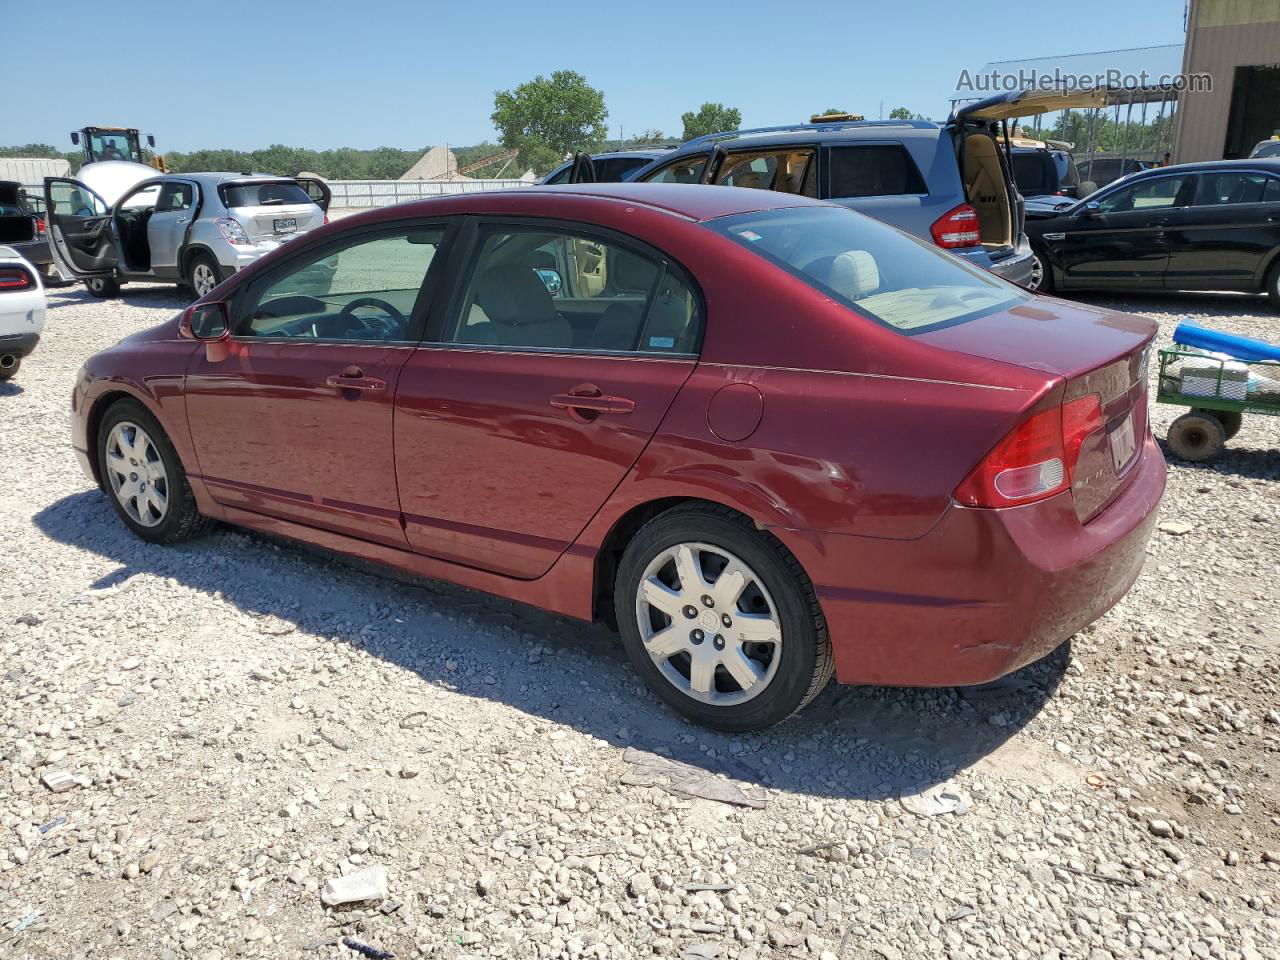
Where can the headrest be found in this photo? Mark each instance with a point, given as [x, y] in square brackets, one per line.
[512, 294]
[854, 274]
[631, 272]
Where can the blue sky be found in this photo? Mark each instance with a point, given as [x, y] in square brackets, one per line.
[365, 74]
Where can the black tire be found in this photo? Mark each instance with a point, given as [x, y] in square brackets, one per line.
[202, 268]
[103, 287]
[1046, 272]
[8, 373]
[181, 519]
[1273, 285]
[805, 665]
[1231, 420]
[1197, 437]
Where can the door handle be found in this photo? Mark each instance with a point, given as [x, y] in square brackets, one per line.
[356, 381]
[180, 220]
[579, 400]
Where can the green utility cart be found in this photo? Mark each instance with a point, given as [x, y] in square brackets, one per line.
[1219, 392]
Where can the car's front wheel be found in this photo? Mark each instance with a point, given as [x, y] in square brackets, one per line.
[9, 367]
[720, 620]
[142, 473]
[103, 287]
[1041, 273]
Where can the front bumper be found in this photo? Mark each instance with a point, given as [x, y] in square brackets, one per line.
[18, 344]
[985, 592]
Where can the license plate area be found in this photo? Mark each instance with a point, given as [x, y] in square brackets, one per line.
[1123, 444]
[285, 225]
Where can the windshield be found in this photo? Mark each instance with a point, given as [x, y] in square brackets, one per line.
[876, 270]
[114, 146]
[273, 194]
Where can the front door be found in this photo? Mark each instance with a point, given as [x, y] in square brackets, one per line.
[169, 225]
[78, 226]
[1225, 236]
[541, 387]
[1121, 238]
[292, 416]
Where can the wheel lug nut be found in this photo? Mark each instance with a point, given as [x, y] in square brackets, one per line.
[718, 642]
[697, 636]
[707, 601]
[691, 611]
[724, 618]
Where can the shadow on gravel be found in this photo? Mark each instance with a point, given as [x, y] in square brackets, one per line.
[158, 295]
[10, 389]
[854, 742]
[1248, 304]
[1251, 463]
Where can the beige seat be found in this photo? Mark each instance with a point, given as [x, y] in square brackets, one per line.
[852, 274]
[520, 310]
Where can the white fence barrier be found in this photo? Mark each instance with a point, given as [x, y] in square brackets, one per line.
[382, 193]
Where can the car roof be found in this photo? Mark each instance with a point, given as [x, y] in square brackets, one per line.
[1269, 164]
[803, 133]
[691, 201]
[214, 178]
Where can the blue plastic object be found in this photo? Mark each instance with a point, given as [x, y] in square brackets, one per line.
[1241, 348]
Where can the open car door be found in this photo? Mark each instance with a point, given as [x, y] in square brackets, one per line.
[78, 228]
[583, 170]
[317, 190]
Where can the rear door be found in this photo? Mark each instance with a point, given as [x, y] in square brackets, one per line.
[525, 409]
[317, 190]
[170, 224]
[1226, 235]
[78, 229]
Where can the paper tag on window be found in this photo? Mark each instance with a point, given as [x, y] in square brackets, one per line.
[662, 342]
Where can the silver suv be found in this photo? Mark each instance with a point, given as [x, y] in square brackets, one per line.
[196, 229]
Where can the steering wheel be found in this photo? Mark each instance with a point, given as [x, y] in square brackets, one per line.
[380, 329]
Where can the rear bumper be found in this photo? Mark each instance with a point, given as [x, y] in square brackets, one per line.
[1016, 267]
[985, 592]
[18, 344]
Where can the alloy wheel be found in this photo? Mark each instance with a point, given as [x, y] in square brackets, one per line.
[709, 624]
[202, 279]
[1037, 272]
[137, 474]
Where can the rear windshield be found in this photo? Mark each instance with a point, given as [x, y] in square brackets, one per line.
[876, 270]
[1068, 175]
[1034, 173]
[876, 170]
[273, 194]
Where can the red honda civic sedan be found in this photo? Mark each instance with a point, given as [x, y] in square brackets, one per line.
[766, 437]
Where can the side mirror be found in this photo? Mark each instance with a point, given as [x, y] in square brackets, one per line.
[205, 321]
[1091, 209]
[151, 140]
[551, 280]
[75, 139]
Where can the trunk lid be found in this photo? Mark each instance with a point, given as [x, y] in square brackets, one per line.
[1097, 352]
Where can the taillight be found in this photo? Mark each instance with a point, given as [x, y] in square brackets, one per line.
[326, 218]
[15, 278]
[232, 230]
[39, 224]
[957, 227]
[1036, 459]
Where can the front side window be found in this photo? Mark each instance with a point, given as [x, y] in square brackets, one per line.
[1034, 173]
[1153, 194]
[686, 170]
[561, 290]
[70, 199]
[896, 279]
[874, 170]
[1228, 188]
[365, 289]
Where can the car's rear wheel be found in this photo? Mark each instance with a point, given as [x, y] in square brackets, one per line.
[1041, 273]
[1197, 437]
[103, 286]
[1273, 285]
[720, 620]
[9, 366]
[202, 274]
[142, 473]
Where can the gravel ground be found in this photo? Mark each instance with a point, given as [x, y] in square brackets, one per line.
[246, 719]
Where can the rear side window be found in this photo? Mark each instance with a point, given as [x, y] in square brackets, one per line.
[896, 279]
[784, 170]
[1272, 194]
[561, 290]
[272, 194]
[1034, 173]
[1224, 188]
[874, 170]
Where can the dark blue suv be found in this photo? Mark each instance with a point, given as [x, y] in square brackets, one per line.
[949, 183]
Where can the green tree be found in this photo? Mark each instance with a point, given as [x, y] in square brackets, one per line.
[549, 117]
[900, 113]
[710, 118]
